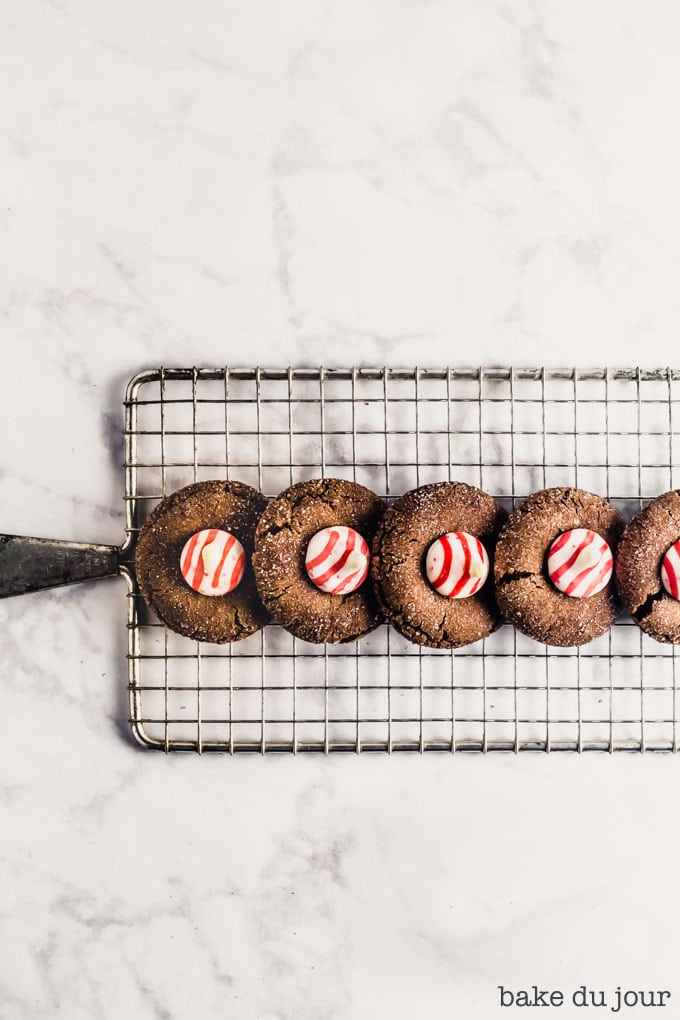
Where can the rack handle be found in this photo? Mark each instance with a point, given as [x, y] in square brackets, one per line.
[29, 564]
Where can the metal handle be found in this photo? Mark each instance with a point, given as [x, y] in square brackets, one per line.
[29, 564]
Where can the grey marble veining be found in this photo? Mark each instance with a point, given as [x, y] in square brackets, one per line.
[349, 183]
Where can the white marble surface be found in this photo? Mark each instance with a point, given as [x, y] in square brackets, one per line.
[388, 181]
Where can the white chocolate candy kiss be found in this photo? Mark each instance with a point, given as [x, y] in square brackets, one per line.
[212, 562]
[457, 565]
[337, 560]
[670, 571]
[580, 563]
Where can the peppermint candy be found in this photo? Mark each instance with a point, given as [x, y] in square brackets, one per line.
[457, 565]
[670, 570]
[212, 562]
[337, 560]
[580, 563]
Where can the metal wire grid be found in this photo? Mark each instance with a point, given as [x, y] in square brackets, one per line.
[510, 431]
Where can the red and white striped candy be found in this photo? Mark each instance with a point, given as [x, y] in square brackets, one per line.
[580, 563]
[457, 565]
[337, 560]
[670, 570]
[212, 562]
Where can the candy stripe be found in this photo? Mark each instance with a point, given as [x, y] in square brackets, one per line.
[577, 580]
[336, 567]
[465, 572]
[675, 581]
[605, 570]
[585, 579]
[199, 569]
[670, 571]
[580, 563]
[195, 557]
[218, 569]
[559, 542]
[558, 572]
[333, 539]
[187, 553]
[212, 562]
[337, 560]
[237, 572]
[352, 581]
[457, 565]
[447, 557]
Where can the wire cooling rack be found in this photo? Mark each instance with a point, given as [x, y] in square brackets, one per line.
[509, 431]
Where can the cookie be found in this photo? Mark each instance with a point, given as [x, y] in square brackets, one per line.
[182, 553]
[539, 540]
[646, 570]
[415, 536]
[319, 600]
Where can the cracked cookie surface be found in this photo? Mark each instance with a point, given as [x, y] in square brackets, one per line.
[283, 534]
[638, 568]
[525, 595]
[230, 506]
[407, 530]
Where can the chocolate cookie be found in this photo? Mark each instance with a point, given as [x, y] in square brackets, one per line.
[399, 566]
[160, 558]
[639, 562]
[527, 596]
[284, 568]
